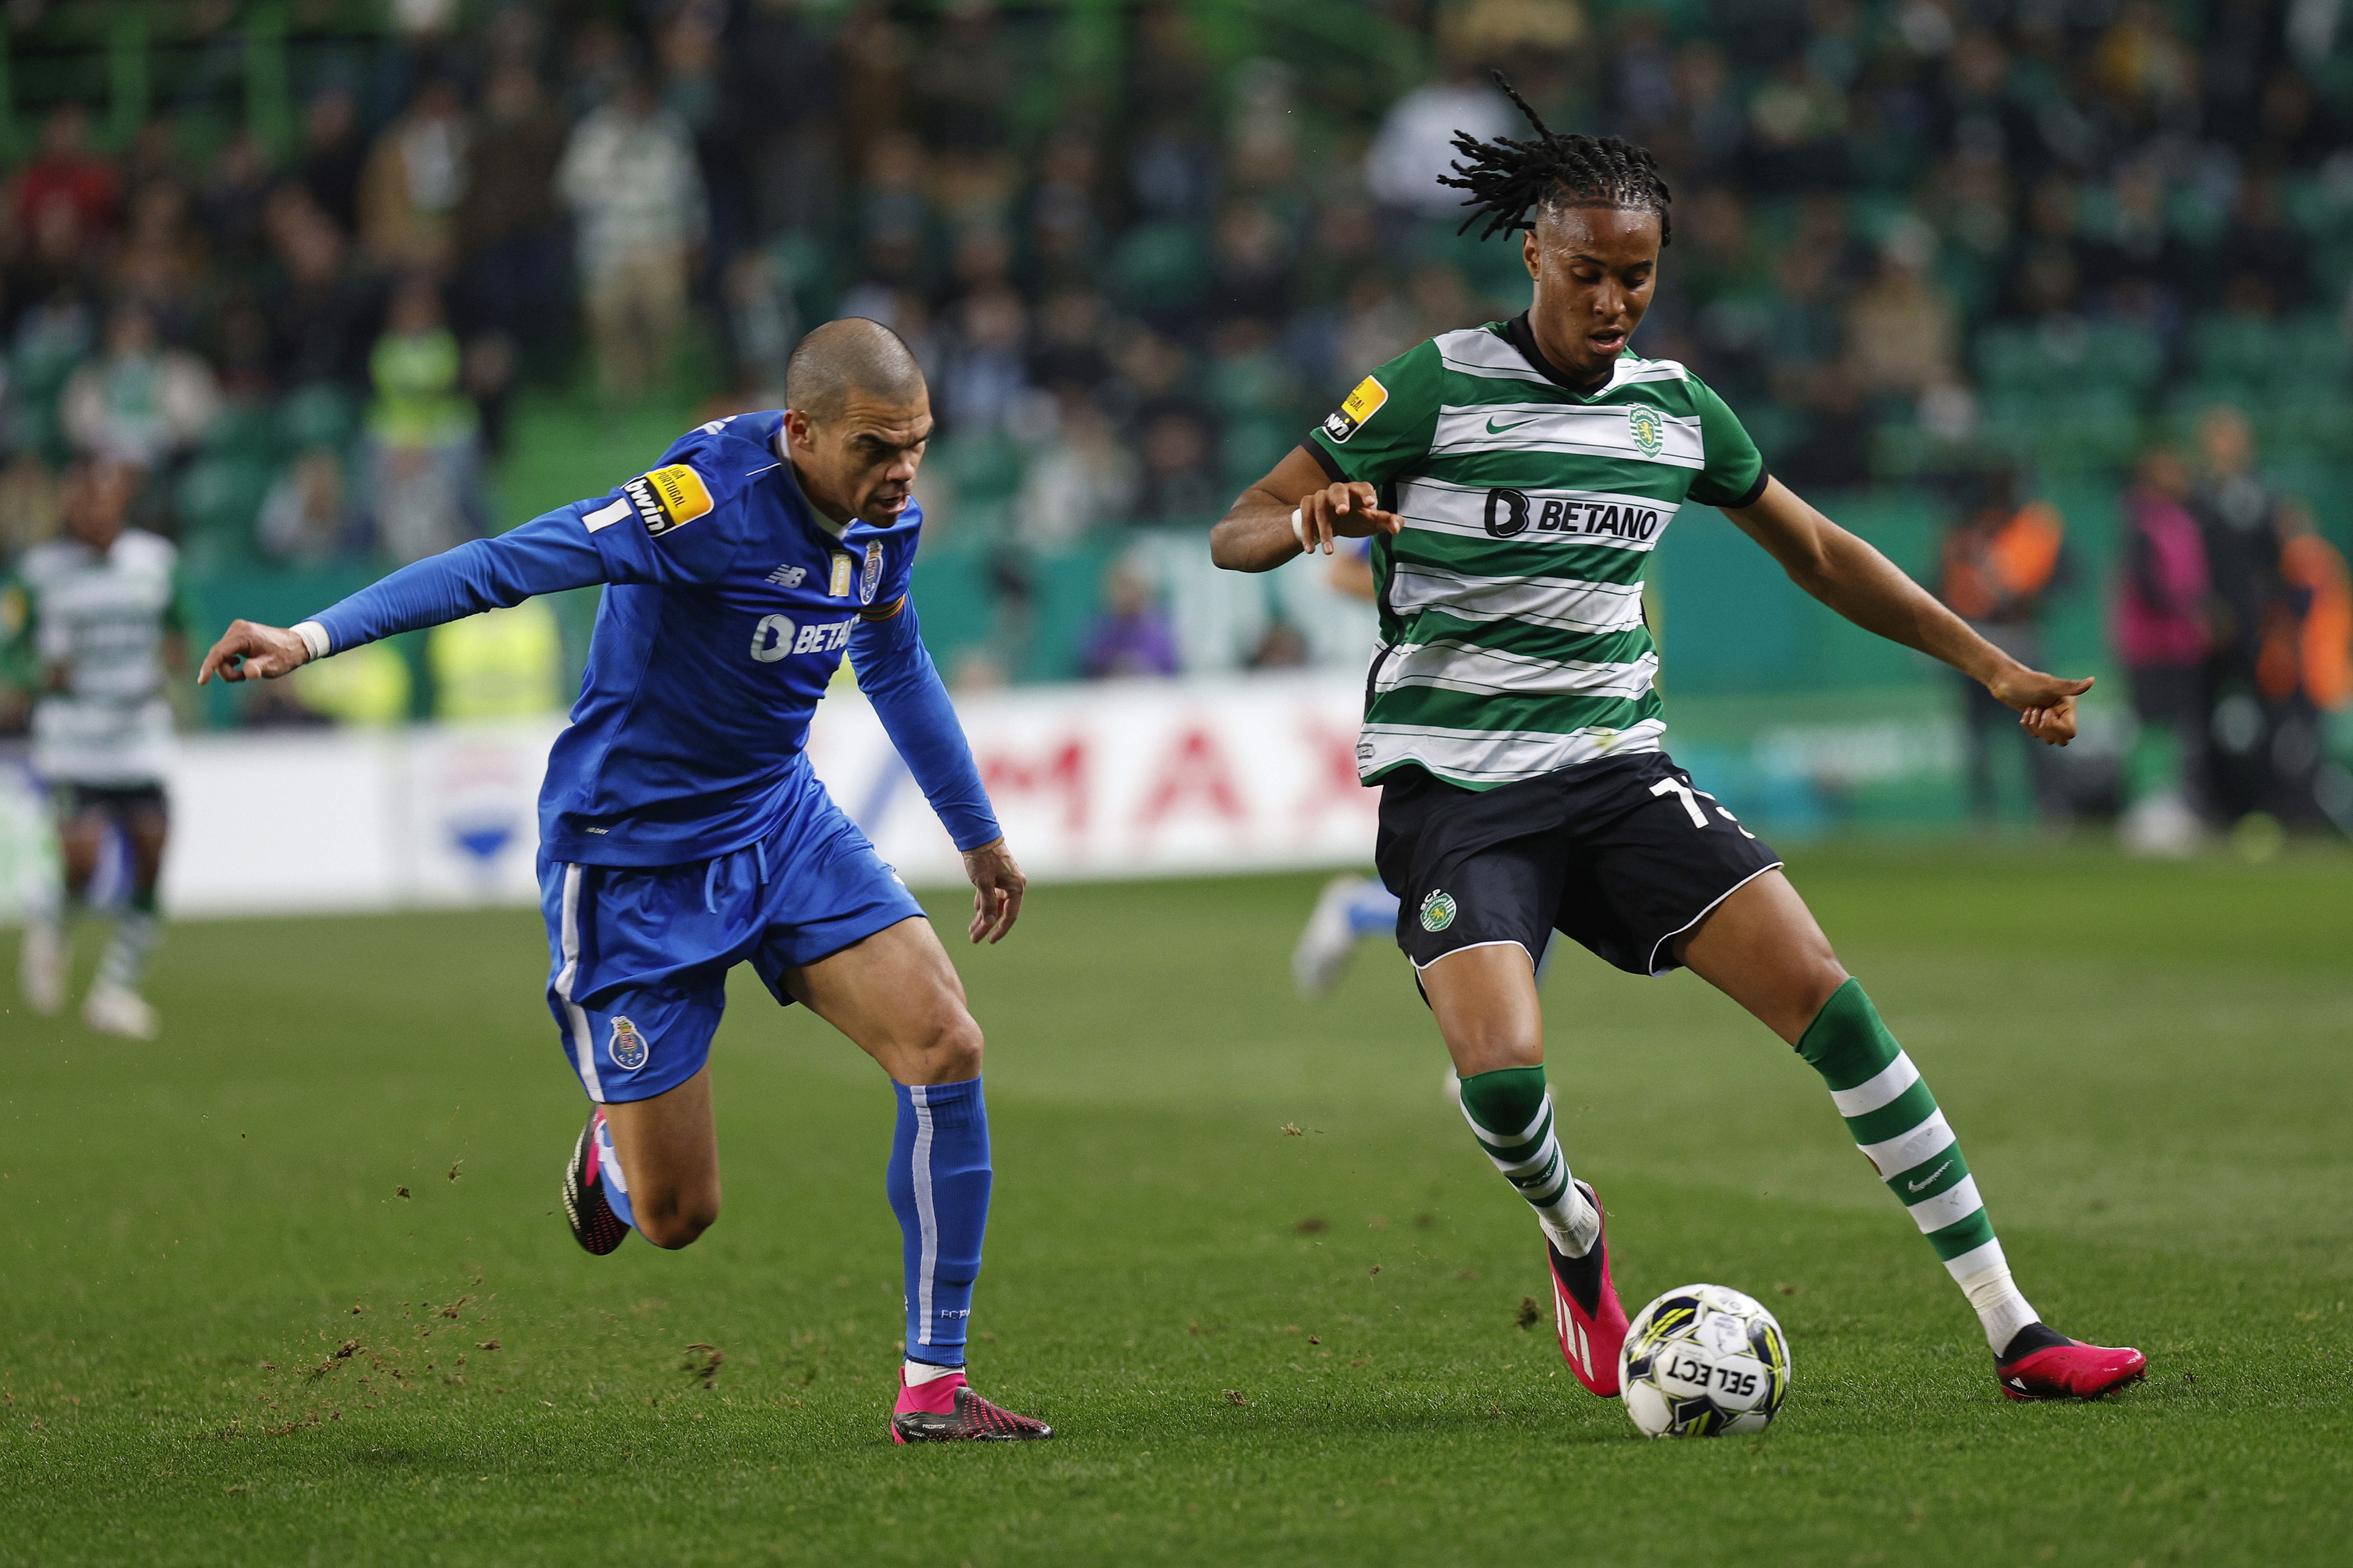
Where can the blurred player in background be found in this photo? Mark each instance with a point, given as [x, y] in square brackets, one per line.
[1513, 478]
[682, 831]
[96, 617]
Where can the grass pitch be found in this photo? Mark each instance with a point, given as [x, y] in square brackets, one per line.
[288, 1284]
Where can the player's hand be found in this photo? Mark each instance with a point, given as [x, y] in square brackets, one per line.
[247, 651]
[2045, 704]
[997, 887]
[1348, 511]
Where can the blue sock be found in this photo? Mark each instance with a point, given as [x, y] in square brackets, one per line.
[938, 1182]
[609, 1169]
[1372, 910]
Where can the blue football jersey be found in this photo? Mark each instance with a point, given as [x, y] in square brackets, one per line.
[730, 604]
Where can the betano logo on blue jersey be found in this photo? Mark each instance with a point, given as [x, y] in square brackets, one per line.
[775, 636]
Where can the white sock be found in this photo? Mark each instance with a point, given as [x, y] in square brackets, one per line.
[920, 1372]
[2001, 1307]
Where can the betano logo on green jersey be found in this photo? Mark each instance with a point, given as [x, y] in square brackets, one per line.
[1512, 635]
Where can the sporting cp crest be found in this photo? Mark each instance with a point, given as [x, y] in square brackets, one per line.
[1436, 912]
[627, 1048]
[1648, 430]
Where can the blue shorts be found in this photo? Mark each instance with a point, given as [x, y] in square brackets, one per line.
[638, 955]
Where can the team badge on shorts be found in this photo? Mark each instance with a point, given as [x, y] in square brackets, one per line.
[1648, 429]
[1437, 910]
[627, 1048]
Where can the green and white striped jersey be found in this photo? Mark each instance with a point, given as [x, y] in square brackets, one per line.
[100, 620]
[1512, 639]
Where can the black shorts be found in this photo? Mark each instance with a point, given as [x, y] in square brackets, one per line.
[1621, 855]
[117, 803]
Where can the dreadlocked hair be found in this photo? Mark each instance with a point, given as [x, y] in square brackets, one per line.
[1505, 178]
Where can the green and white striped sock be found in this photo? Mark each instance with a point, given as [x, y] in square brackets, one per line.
[1895, 1121]
[1512, 1114]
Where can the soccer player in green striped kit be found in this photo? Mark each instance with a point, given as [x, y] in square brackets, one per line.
[1514, 480]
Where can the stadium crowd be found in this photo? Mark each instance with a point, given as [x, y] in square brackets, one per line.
[1917, 241]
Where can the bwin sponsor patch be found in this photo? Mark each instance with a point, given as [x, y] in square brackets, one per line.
[1362, 405]
[668, 498]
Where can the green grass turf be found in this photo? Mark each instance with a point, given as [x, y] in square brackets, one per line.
[2148, 1064]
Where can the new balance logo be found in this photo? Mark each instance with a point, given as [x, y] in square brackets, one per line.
[1931, 1177]
[788, 576]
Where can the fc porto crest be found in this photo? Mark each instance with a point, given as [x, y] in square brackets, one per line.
[627, 1048]
[1648, 430]
[1437, 910]
[870, 576]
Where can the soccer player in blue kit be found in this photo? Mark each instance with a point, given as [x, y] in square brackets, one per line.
[682, 831]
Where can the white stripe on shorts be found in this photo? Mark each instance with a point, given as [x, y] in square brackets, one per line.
[584, 1044]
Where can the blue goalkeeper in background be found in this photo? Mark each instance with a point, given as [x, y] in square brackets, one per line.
[682, 831]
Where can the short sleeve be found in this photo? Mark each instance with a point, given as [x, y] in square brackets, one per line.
[681, 520]
[1384, 426]
[1733, 471]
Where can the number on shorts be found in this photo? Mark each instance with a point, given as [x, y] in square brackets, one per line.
[1665, 787]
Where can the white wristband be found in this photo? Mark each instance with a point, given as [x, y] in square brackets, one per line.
[1299, 529]
[314, 637]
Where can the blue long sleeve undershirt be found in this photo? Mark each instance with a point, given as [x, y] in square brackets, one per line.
[552, 554]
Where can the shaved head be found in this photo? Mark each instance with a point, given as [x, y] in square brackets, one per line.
[850, 356]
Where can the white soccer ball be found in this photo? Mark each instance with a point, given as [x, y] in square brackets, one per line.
[1703, 1361]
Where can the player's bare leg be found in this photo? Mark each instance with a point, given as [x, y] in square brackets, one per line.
[1763, 948]
[898, 998]
[1484, 999]
[668, 1150]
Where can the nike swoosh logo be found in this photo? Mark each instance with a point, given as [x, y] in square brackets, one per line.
[1931, 1177]
[1495, 429]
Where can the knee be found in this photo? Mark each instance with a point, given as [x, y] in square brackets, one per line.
[946, 1051]
[954, 1049]
[676, 1224]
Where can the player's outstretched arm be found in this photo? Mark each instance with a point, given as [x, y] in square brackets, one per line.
[546, 556]
[1297, 508]
[1859, 582]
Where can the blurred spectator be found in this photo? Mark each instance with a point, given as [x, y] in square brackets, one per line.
[762, 328]
[2306, 668]
[1902, 333]
[324, 318]
[1415, 143]
[421, 433]
[233, 207]
[306, 519]
[1131, 636]
[1080, 479]
[629, 176]
[2162, 634]
[332, 156]
[984, 376]
[139, 403]
[2238, 515]
[1999, 563]
[66, 170]
[410, 186]
[510, 230]
[159, 264]
[1180, 486]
